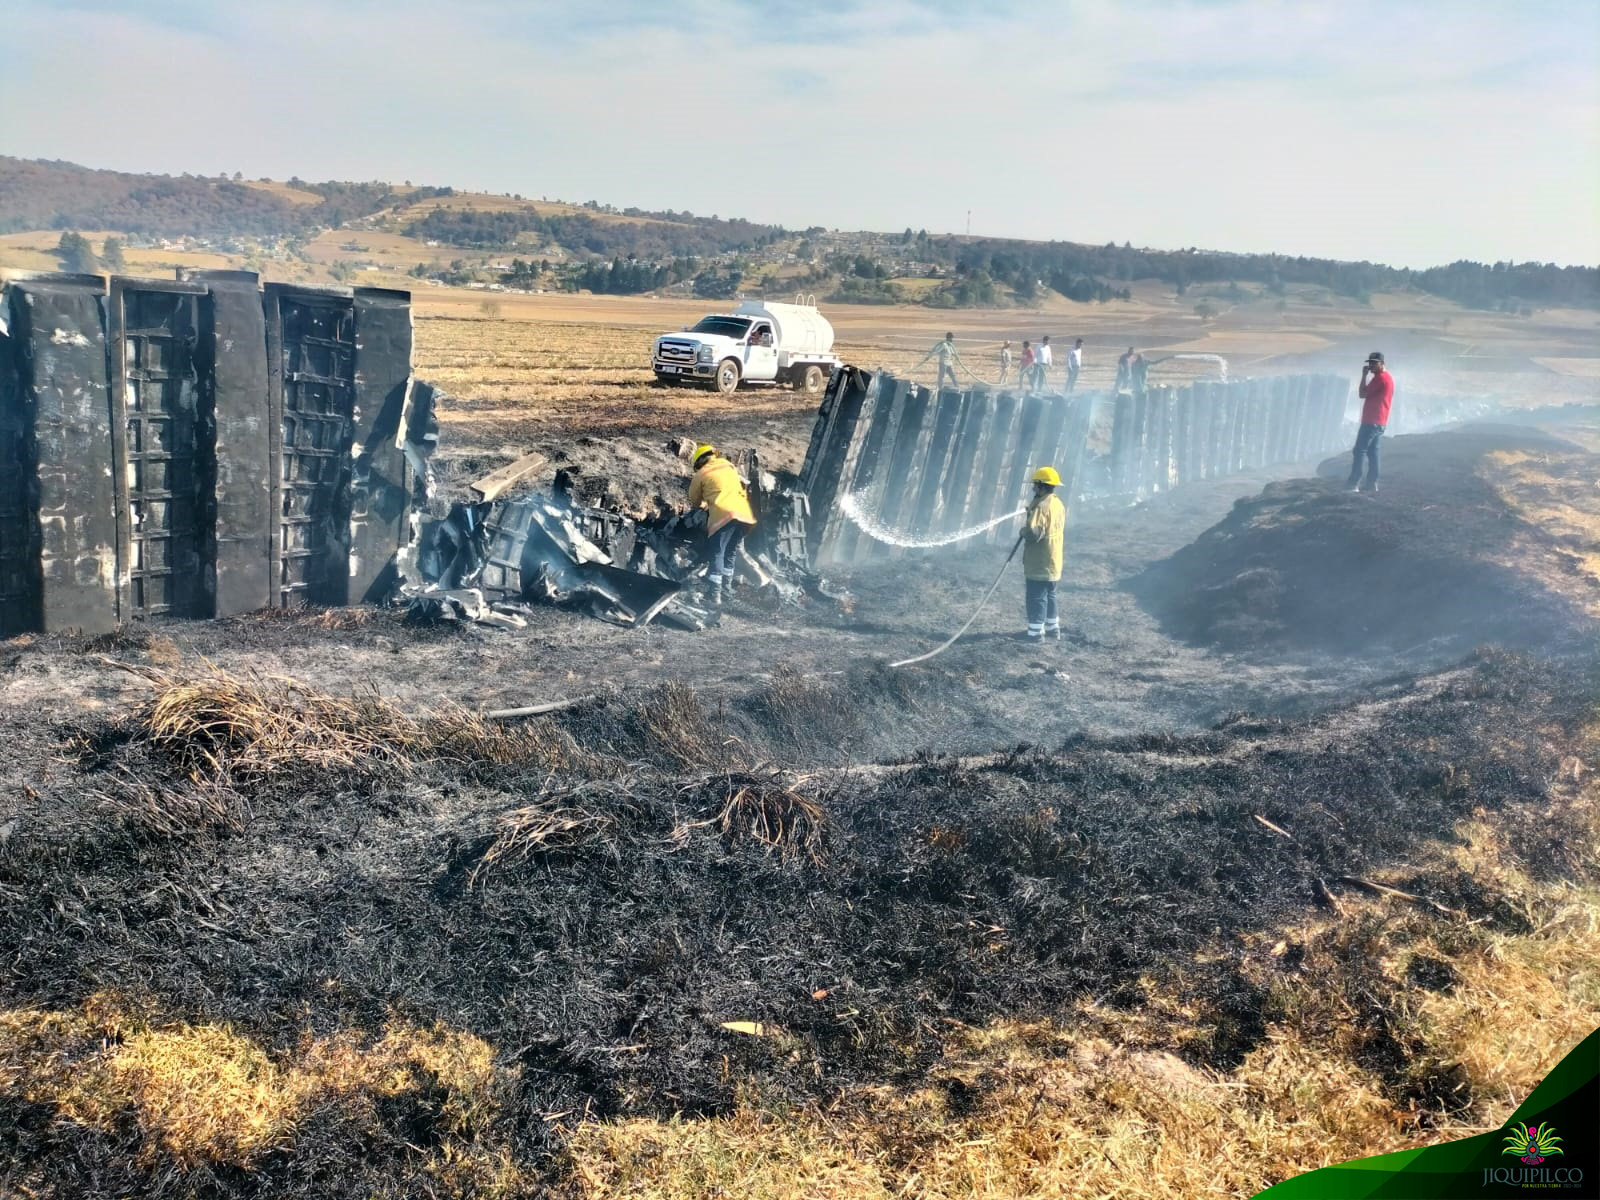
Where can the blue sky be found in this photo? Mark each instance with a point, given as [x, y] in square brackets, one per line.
[1411, 133]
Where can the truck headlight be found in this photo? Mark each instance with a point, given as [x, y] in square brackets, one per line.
[703, 354]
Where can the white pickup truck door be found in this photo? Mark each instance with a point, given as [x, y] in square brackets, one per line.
[760, 362]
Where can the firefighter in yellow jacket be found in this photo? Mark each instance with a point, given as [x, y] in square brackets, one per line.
[717, 488]
[1044, 535]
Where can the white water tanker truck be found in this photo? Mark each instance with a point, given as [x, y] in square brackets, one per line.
[757, 342]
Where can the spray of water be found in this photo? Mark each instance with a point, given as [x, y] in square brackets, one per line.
[879, 532]
[1222, 363]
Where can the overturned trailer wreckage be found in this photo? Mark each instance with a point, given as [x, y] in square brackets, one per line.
[492, 561]
[202, 446]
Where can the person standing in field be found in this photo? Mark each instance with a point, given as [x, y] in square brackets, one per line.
[1025, 369]
[717, 488]
[1074, 365]
[1005, 362]
[1044, 534]
[948, 358]
[1377, 395]
[1124, 381]
[1043, 359]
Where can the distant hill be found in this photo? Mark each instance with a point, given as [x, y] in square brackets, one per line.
[639, 238]
[468, 238]
[61, 195]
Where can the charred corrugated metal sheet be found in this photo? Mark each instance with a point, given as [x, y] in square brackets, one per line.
[20, 585]
[927, 465]
[537, 551]
[58, 329]
[380, 498]
[233, 333]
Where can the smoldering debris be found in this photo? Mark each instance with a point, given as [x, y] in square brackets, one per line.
[492, 561]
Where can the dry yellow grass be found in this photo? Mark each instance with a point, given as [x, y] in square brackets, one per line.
[1555, 493]
[772, 811]
[283, 191]
[1057, 1114]
[207, 1094]
[510, 381]
[221, 726]
[490, 202]
[390, 249]
[538, 828]
[520, 367]
[22, 258]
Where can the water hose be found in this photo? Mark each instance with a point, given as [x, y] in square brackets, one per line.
[906, 662]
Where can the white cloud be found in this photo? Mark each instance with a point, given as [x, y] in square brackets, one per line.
[1405, 133]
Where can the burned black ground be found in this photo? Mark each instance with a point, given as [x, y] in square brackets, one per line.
[853, 857]
[1306, 565]
[933, 889]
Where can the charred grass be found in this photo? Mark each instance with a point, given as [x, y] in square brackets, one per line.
[310, 945]
[1482, 535]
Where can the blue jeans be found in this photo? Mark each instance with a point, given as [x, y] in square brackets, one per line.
[723, 549]
[1042, 614]
[1367, 445]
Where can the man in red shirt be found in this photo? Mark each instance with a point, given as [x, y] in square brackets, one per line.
[1377, 393]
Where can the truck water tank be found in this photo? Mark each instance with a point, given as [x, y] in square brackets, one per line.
[797, 328]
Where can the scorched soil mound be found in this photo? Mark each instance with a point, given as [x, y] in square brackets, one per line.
[597, 897]
[1432, 559]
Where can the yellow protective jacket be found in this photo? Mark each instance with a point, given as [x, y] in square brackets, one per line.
[717, 488]
[1044, 539]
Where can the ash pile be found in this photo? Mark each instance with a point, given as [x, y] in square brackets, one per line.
[492, 560]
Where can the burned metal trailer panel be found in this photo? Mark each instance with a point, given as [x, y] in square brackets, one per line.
[233, 340]
[21, 588]
[197, 447]
[380, 478]
[58, 348]
[927, 466]
[311, 392]
[162, 434]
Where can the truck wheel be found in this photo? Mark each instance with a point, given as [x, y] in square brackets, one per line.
[727, 378]
[812, 380]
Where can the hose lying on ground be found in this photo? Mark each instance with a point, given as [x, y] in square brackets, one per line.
[955, 637]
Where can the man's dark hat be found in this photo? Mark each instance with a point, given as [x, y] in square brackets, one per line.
[1375, 356]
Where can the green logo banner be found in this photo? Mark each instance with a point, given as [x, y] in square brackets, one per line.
[1550, 1146]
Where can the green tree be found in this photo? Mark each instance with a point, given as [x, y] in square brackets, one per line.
[111, 255]
[76, 253]
[1205, 310]
[717, 285]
